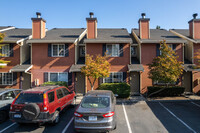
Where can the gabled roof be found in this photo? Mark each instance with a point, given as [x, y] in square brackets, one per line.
[58, 35]
[15, 35]
[111, 36]
[3, 28]
[185, 34]
[157, 35]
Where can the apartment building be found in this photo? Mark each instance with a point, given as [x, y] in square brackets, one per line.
[192, 37]
[15, 49]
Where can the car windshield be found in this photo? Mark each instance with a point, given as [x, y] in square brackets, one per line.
[95, 102]
[29, 98]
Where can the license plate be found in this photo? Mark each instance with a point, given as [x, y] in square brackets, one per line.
[92, 118]
[17, 116]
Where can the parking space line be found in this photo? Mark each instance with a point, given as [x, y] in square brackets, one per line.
[65, 129]
[196, 104]
[177, 118]
[127, 121]
[7, 127]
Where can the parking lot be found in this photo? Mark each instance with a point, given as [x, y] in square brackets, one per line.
[132, 117]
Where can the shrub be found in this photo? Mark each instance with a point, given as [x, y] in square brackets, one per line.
[60, 83]
[168, 91]
[122, 89]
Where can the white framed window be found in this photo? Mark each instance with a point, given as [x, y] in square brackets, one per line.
[113, 50]
[170, 46]
[133, 51]
[52, 76]
[5, 50]
[6, 78]
[58, 50]
[115, 77]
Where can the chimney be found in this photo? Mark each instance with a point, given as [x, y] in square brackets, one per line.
[91, 26]
[144, 30]
[38, 27]
[194, 27]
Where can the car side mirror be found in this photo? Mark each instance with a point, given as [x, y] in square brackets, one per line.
[116, 95]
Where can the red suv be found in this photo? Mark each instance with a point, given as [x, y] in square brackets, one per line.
[41, 104]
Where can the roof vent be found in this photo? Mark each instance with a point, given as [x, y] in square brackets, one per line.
[195, 15]
[91, 14]
[143, 15]
[38, 14]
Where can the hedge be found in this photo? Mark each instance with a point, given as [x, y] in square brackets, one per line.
[122, 89]
[60, 83]
[168, 91]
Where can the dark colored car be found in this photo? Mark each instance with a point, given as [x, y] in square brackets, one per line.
[96, 112]
[41, 104]
[6, 98]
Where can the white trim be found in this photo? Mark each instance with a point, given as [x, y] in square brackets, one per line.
[182, 36]
[3, 64]
[28, 68]
[10, 28]
[21, 40]
[80, 37]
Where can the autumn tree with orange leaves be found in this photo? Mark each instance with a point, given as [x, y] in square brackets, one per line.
[166, 67]
[96, 68]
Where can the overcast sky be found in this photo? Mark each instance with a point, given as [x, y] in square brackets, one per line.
[110, 13]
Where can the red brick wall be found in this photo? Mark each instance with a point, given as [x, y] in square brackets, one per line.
[196, 30]
[144, 29]
[42, 63]
[118, 64]
[15, 60]
[91, 27]
[196, 81]
[148, 52]
[196, 49]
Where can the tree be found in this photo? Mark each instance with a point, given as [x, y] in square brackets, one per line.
[2, 61]
[157, 27]
[96, 68]
[165, 68]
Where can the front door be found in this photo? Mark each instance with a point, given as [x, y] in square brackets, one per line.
[187, 81]
[80, 83]
[135, 83]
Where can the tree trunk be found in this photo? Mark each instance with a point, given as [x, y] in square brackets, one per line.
[92, 84]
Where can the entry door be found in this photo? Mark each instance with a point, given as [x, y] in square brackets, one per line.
[80, 83]
[135, 83]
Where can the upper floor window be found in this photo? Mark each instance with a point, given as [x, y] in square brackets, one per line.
[115, 77]
[82, 51]
[133, 51]
[58, 50]
[172, 46]
[113, 50]
[6, 78]
[6, 50]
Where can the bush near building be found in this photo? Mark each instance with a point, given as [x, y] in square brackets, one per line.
[60, 83]
[122, 89]
[168, 91]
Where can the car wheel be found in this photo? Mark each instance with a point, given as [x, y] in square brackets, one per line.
[3, 116]
[57, 117]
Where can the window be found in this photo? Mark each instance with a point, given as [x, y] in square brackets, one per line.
[95, 102]
[58, 50]
[82, 51]
[65, 91]
[29, 98]
[59, 93]
[163, 83]
[9, 95]
[58, 77]
[114, 78]
[51, 96]
[133, 51]
[6, 78]
[5, 50]
[113, 50]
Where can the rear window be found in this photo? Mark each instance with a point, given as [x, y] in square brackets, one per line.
[95, 102]
[29, 98]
